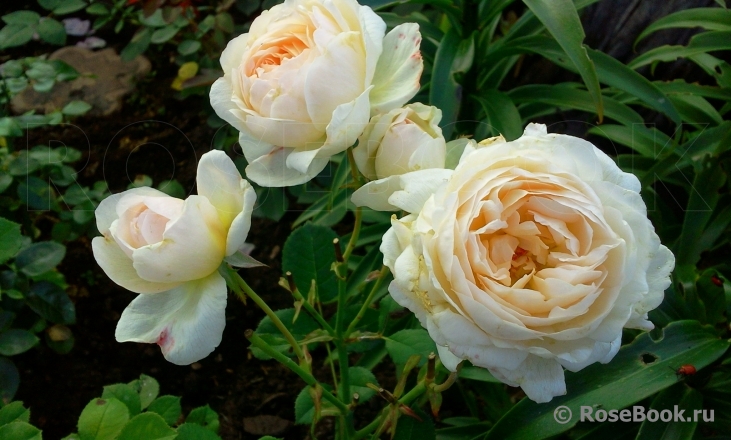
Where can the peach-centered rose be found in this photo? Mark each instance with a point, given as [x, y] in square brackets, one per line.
[530, 257]
[301, 85]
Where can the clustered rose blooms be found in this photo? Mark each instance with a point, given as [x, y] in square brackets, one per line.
[530, 257]
[302, 84]
[402, 140]
[168, 250]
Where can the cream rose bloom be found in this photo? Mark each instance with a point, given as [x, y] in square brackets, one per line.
[169, 250]
[301, 85]
[530, 257]
[402, 140]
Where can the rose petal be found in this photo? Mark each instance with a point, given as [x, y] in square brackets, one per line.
[187, 322]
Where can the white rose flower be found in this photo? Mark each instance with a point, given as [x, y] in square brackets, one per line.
[530, 257]
[394, 143]
[301, 85]
[169, 250]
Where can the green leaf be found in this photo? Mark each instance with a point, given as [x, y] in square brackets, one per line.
[696, 110]
[40, 257]
[9, 379]
[16, 341]
[164, 34]
[126, 394]
[405, 343]
[97, 9]
[308, 253]
[14, 35]
[639, 370]
[51, 31]
[76, 108]
[187, 47]
[447, 96]
[138, 45]
[204, 416]
[359, 378]
[700, 43]
[192, 431]
[502, 115]
[168, 407]
[562, 21]
[147, 426]
[69, 6]
[49, 5]
[22, 17]
[409, 428]
[20, 431]
[299, 329]
[51, 302]
[10, 239]
[102, 419]
[712, 19]
[147, 388]
[686, 399]
[14, 411]
[304, 407]
[470, 431]
[565, 96]
[477, 373]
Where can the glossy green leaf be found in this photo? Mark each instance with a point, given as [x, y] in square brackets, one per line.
[187, 47]
[638, 371]
[147, 426]
[308, 253]
[696, 110]
[446, 93]
[192, 431]
[97, 9]
[700, 43]
[164, 34]
[9, 379]
[562, 21]
[76, 108]
[22, 17]
[359, 379]
[14, 411]
[126, 394]
[565, 96]
[14, 35]
[301, 327]
[16, 341]
[147, 389]
[688, 400]
[649, 142]
[168, 407]
[712, 19]
[502, 115]
[69, 6]
[680, 86]
[20, 431]
[405, 343]
[102, 419]
[10, 239]
[409, 428]
[51, 302]
[138, 45]
[40, 257]
[52, 31]
[204, 416]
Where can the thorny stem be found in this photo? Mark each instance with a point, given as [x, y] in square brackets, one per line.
[311, 310]
[356, 232]
[309, 379]
[407, 398]
[364, 308]
[248, 291]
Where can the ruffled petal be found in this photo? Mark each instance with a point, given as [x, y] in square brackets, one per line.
[187, 322]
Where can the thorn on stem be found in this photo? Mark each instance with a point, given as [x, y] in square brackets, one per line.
[290, 281]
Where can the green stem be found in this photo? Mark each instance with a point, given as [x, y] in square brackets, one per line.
[407, 398]
[364, 308]
[311, 310]
[269, 312]
[356, 232]
[340, 344]
[289, 363]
